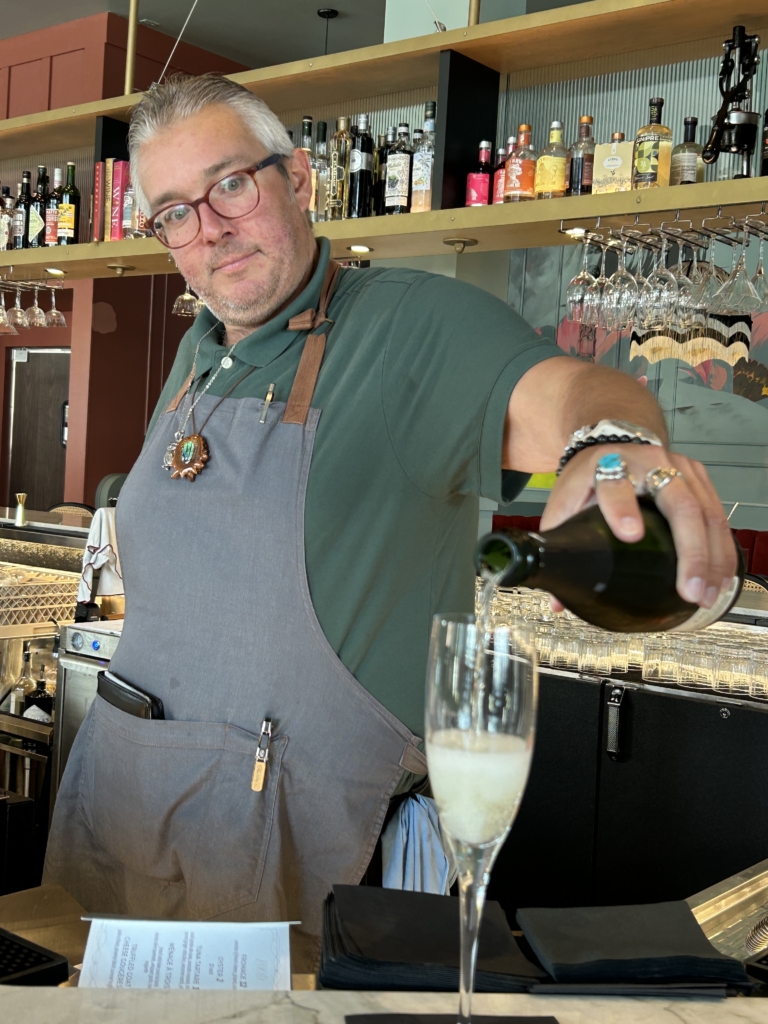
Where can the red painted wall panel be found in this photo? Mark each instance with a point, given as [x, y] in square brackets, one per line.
[28, 88]
[68, 84]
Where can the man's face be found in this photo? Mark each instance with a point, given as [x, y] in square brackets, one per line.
[247, 268]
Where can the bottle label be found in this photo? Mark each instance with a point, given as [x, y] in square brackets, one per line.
[359, 161]
[66, 220]
[336, 181]
[520, 178]
[477, 189]
[706, 616]
[498, 186]
[36, 225]
[647, 158]
[684, 168]
[19, 222]
[550, 174]
[51, 226]
[587, 169]
[422, 172]
[613, 167]
[398, 175]
[6, 226]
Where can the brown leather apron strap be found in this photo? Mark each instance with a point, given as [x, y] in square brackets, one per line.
[300, 398]
[173, 405]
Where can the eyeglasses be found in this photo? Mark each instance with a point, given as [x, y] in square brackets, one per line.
[233, 196]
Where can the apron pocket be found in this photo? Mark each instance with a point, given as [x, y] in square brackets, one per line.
[172, 802]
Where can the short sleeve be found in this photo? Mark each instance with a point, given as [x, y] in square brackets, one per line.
[453, 358]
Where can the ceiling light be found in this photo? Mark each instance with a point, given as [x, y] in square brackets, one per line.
[359, 248]
[575, 232]
[55, 272]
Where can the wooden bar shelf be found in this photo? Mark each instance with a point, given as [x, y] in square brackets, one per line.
[583, 31]
[508, 226]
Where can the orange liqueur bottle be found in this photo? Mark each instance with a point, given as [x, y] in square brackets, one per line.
[520, 176]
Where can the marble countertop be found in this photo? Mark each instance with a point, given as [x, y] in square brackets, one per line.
[94, 1006]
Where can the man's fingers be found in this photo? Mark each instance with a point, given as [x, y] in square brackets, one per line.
[682, 509]
[618, 504]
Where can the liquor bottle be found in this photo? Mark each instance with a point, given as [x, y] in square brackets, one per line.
[361, 170]
[581, 158]
[764, 162]
[69, 210]
[550, 167]
[520, 178]
[36, 215]
[6, 219]
[52, 209]
[25, 684]
[628, 588]
[653, 151]
[321, 160]
[338, 177]
[376, 178]
[424, 163]
[499, 172]
[397, 188]
[307, 124]
[39, 698]
[613, 165]
[479, 181]
[687, 167]
[21, 213]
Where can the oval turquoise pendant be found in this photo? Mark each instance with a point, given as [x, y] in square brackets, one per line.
[189, 457]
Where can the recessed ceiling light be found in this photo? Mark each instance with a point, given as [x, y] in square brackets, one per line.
[55, 272]
[359, 248]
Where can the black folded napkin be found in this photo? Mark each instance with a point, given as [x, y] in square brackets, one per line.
[655, 943]
[388, 939]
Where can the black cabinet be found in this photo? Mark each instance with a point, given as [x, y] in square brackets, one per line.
[682, 805]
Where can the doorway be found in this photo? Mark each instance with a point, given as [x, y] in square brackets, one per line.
[37, 411]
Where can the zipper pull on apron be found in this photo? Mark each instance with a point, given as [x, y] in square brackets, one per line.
[262, 755]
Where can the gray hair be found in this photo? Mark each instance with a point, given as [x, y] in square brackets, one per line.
[182, 96]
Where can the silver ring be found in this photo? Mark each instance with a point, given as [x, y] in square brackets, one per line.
[657, 479]
[611, 467]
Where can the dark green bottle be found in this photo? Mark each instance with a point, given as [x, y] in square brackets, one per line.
[627, 588]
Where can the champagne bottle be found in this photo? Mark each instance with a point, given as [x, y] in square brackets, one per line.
[627, 588]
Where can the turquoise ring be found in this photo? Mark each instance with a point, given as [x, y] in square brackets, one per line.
[611, 467]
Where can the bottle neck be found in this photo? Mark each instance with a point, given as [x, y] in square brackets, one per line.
[690, 133]
[555, 136]
[585, 131]
[524, 140]
[655, 114]
[485, 156]
[511, 557]
[70, 175]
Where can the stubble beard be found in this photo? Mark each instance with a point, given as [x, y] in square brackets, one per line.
[258, 307]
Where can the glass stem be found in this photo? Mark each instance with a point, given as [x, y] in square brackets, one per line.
[473, 882]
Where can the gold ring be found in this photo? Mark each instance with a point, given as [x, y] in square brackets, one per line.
[657, 479]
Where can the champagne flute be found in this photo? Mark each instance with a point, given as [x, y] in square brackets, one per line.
[481, 713]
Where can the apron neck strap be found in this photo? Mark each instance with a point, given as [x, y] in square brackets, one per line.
[300, 398]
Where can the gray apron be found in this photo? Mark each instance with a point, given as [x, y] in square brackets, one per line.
[159, 818]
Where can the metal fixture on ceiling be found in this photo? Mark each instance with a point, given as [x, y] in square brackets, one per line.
[439, 26]
[328, 13]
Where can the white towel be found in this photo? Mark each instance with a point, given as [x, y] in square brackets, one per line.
[101, 553]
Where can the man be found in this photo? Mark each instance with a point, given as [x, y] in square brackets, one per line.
[296, 517]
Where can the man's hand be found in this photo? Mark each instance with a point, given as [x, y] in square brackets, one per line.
[705, 549]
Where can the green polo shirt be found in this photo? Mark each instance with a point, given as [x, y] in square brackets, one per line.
[413, 390]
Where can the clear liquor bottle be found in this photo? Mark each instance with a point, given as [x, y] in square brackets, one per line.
[687, 166]
[424, 163]
[499, 171]
[338, 178]
[653, 150]
[361, 170]
[6, 219]
[52, 209]
[397, 189]
[550, 167]
[25, 684]
[321, 160]
[307, 124]
[581, 160]
[21, 212]
[36, 217]
[520, 178]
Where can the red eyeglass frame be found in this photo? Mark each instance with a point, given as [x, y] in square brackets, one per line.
[195, 204]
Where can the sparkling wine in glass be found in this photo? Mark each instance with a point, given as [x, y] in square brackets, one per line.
[481, 715]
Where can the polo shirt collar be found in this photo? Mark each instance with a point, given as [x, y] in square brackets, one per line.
[271, 339]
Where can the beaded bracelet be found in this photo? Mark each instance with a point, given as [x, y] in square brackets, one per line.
[579, 446]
